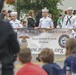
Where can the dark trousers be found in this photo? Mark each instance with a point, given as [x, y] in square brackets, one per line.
[7, 65]
[7, 69]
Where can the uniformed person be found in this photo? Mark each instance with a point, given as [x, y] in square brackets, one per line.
[14, 22]
[69, 19]
[45, 21]
[9, 46]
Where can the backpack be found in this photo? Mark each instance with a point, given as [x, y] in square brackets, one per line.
[56, 69]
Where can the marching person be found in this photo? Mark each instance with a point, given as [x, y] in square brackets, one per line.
[59, 22]
[45, 21]
[31, 21]
[38, 17]
[9, 46]
[14, 22]
[69, 19]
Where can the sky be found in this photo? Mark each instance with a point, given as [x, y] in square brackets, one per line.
[68, 3]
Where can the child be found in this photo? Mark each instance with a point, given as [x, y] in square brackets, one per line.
[59, 22]
[47, 57]
[70, 61]
[28, 67]
[74, 33]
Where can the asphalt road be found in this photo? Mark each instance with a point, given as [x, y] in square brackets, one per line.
[58, 59]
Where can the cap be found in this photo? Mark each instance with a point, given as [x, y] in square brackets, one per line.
[45, 10]
[13, 13]
[70, 8]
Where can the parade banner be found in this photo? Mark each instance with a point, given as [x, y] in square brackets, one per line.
[38, 39]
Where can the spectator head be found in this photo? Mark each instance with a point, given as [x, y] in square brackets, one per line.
[31, 13]
[22, 20]
[45, 12]
[9, 11]
[25, 55]
[69, 11]
[4, 12]
[3, 16]
[74, 12]
[1, 5]
[47, 55]
[24, 23]
[39, 15]
[60, 16]
[70, 46]
[50, 15]
[14, 15]
[65, 12]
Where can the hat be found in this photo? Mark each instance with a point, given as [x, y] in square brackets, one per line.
[13, 13]
[70, 8]
[45, 10]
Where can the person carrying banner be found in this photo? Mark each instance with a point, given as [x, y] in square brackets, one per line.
[45, 21]
[69, 19]
[14, 22]
[31, 21]
[59, 22]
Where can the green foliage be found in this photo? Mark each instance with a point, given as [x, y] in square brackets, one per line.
[36, 5]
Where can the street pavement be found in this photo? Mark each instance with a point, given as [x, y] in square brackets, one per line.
[59, 59]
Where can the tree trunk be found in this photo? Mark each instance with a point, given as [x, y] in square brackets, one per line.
[18, 15]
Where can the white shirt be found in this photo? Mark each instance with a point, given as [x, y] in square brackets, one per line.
[68, 24]
[15, 24]
[45, 22]
[75, 22]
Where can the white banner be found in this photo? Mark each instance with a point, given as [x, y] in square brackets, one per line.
[39, 39]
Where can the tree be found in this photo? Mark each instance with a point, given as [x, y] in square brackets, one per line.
[36, 5]
[10, 2]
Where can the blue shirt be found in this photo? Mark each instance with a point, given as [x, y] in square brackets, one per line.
[52, 69]
[70, 64]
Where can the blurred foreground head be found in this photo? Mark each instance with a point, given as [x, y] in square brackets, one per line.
[70, 46]
[1, 5]
[25, 55]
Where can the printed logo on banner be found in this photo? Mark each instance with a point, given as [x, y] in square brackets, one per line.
[62, 40]
[24, 42]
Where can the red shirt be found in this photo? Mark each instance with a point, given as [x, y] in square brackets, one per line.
[31, 69]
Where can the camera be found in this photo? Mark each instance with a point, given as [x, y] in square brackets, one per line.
[38, 58]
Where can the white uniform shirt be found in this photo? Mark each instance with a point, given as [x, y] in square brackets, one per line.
[70, 23]
[16, 24]
[45, 22]
[75, 22]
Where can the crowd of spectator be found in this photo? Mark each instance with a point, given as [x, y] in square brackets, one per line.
[47, 58]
